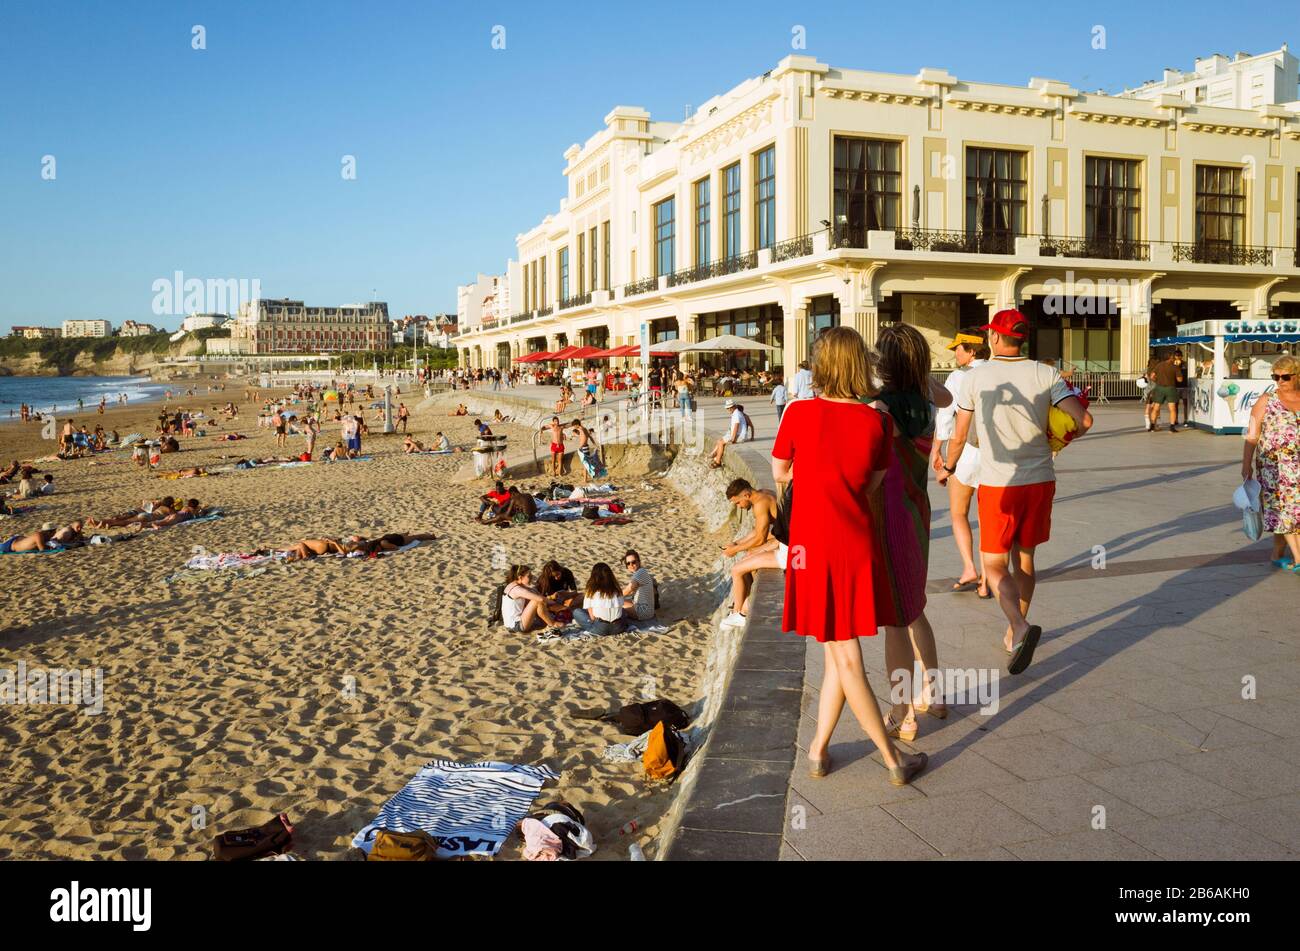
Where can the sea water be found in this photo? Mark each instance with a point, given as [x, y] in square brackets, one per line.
[59, 394]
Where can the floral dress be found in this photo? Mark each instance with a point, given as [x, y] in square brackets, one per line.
[1278, 467]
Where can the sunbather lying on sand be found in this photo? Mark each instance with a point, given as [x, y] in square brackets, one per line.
[49, 536]
[148, 510]
[460, 410]
[310, 548]
[412, 445]
[229, 437]
[390, 542]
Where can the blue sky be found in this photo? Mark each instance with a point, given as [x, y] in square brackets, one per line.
[225, 162]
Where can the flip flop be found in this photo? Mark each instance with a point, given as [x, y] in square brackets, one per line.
[1285, 563]
[985, 596]
[1023, 652]
[818, 769]
[964, 586]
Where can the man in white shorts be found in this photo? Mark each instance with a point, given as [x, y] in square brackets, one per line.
[970, 351]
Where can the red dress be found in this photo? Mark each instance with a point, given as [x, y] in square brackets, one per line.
[835, 565]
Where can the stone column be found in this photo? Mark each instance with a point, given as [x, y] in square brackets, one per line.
[795, 332]
[865, 320]
[1134, 341]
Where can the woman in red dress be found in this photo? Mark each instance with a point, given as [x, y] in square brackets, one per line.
[835, 566]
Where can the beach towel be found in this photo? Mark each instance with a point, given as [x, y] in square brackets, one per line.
[231, 559]
[591, 462]
[634, 629]
[468, 808]
[47, 551]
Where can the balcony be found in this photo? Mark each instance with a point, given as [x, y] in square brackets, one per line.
[643, 286]
[1222, 253]
[792, 248]
[718, 268]
[578, 300]
[520, 318]
[545, 311]
[1111, 249]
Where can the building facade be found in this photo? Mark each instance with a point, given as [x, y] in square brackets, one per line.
[131, 328]
[290, 326]
[34, 333]
[87, 328]
[812, 196]
[1242, 82]
[197, 321]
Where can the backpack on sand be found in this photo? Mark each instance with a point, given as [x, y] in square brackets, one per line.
[665, 753]
[402, 847]
[494, 607]
[635, 718]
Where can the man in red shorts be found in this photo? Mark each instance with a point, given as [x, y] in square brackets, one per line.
[1007, 401]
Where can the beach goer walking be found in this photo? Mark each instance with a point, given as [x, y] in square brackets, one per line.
[836, 566]
[1007, 402]
[778, 398]
[902, 521]
[403, 416]
[801, 387]
[1272, 454]
[970, 351]
[281, 427]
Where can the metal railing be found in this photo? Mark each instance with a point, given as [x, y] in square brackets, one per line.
[520, 318]
[1113, 249]
[577, 300]
[1222, 253]
[791, 248]
[722, 266]
[643, 286]
[545, 311]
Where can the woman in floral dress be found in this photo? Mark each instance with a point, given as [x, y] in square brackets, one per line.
[1273, 448]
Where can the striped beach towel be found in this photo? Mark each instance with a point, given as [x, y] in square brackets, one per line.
[468, 808]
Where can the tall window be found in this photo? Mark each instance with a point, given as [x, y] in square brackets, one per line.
[526, 294]
[765, 198]
[1112, 199]
[664, 256]
[1220, 206]
[996, 190]
[731, 210]
[582, 263]
[562, 266]
[591, 245]
[541, 266]
[868, 185]
[608, 257]
[703, 251]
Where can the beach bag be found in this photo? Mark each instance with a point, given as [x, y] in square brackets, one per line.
[1247, 498]
[245, 844]
[781, 524]
[1252, 523]
[635, 718]
[415, 846]
[591, 511]
[665, 753]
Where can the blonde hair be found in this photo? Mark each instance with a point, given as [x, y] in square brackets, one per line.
[842, 364]
[1286, 364]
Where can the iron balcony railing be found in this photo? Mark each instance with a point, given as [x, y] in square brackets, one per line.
[702, 272]
[792, 248]
[1222, 253]
[1112, 249]
[642, 286]
[923, 239]
[545, 311]
[577, 300]
[520, 318]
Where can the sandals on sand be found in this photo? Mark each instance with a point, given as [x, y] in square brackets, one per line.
[1023, 653]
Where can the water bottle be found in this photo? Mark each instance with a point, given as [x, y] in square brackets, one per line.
[630, 828]
[634, 853]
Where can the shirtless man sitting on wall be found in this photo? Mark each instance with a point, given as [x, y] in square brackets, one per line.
[764, 551]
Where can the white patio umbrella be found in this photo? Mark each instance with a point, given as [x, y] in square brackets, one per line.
[725, 344]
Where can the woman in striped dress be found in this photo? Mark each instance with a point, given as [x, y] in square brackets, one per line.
[902, 507]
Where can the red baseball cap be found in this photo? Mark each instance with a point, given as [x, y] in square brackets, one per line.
[1005, 322]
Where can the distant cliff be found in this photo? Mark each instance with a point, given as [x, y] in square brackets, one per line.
[93, 356]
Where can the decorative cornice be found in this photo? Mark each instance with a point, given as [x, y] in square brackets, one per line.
[971, 104]
[731, 130]
[1221, 128]
[1110, 118]
[869, 95]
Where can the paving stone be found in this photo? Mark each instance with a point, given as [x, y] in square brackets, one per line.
[1037, 755]
[1276, 818]
[964, 821]
[862, 834]
[1092, 846]
[1247, 770]
[1161, 788]
[1123, 742]
[1204, 836]
[1067, 804]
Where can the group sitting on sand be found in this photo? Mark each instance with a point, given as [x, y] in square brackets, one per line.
[504, 507]
[440, 444]
[547, 601]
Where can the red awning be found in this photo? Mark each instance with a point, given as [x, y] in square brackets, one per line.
[535, 357]
[585, 353]
[566, 354]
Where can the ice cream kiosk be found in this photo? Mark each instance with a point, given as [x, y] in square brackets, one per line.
[1229, 366]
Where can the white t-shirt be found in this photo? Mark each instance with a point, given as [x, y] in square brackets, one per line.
[1011, 398]
[738, 422]
[512, 609]
[604, 607]
[643, 601]
[945, 418]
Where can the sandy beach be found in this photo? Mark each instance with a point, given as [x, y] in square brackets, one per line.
[317, 689]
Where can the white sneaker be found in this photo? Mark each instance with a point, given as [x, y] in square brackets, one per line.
[734, 619]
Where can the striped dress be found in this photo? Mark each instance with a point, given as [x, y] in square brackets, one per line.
[901, 511]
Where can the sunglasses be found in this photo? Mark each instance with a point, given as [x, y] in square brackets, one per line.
[1281, 377]
[630, 562]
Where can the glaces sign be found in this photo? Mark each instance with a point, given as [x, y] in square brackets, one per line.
[1263, 327]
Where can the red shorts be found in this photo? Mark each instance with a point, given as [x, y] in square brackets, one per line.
[1015, 515]
[557, 447]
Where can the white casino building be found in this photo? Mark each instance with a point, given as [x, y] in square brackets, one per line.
[812, 196]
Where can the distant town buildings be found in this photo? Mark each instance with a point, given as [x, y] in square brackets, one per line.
[203, 322]
[290, 326]
[34, 333]
[131, 328]
[1242, 82]
[87, 328]
[486, 302]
